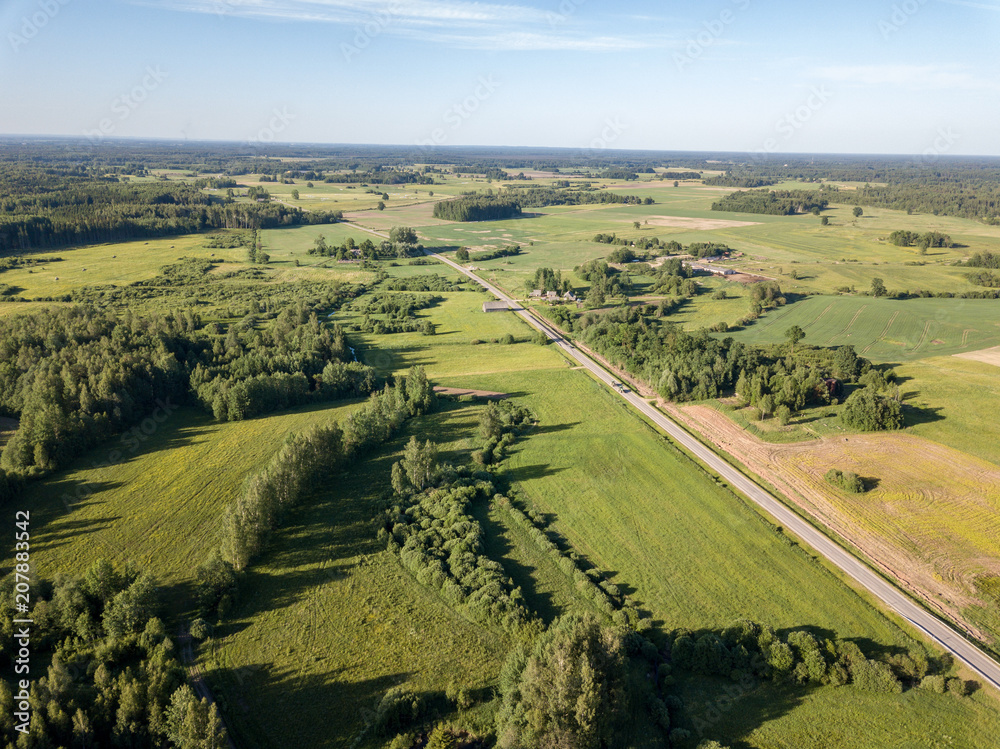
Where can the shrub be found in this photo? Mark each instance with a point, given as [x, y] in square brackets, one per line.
[958, 687]
[936, 683]
[868, 411]
[849, 482]
[200, 629]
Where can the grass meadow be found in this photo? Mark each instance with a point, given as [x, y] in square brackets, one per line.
[156, 499]
[885, 330]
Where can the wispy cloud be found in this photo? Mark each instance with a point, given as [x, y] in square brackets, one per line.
[473, 25]
[524, 41]
[908, 76]
[438, 12]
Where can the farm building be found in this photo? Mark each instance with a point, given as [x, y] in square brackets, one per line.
[715, 271]
[835, 387]
[495, 306]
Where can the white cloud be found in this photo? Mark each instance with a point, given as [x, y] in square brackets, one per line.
[908, 76]
[436, 12]
[470, 25]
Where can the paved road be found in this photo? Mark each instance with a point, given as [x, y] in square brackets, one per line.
[987, 668]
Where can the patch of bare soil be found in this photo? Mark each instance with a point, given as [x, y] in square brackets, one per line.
[684, 222]
[474, 393]
[746, 278]
[932, 522]
[986, 355]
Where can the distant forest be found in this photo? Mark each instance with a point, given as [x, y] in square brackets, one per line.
[43, 208]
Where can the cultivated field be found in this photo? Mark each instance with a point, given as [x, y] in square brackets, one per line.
[885, 330]
[930, 520]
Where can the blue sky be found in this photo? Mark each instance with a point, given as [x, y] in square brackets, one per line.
[737, 75]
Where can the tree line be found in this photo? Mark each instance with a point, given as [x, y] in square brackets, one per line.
[306, 459]
[113, 677]
[772, 202]
[904, 238]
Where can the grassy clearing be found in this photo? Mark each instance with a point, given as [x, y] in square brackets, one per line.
[331, 620]
[786, 718]
[885, 330]
[452, 351]
[953, 401]
[120, 264]
[159, 504]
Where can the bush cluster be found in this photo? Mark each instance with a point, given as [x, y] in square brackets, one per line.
[848, 481]
[748, 648]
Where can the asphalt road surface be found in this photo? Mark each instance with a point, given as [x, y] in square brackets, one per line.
[942, 633]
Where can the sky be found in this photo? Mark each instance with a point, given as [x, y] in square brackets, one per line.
[855, 76]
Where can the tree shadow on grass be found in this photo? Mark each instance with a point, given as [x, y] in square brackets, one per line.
[914, 415]
[64, 531]
[267, 706]
[498, 548]
[537, 471]
[551, 428]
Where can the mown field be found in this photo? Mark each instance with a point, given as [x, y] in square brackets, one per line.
[885, 330]
[156, 497]
[954, 401]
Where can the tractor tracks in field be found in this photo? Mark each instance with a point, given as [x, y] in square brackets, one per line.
[882, 334]
[849, 325]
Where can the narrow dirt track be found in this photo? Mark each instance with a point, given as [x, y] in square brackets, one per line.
[201, 690]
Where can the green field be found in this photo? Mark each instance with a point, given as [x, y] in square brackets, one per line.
[885, 330]
[140, 500]
[959, 400]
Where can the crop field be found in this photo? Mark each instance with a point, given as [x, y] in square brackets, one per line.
[885, 330]
[929, 517]
[953, 401]
[140, 500]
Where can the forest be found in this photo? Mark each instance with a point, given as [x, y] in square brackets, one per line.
[78, 376]
[53, 208]
[478, 208]
[773, 202]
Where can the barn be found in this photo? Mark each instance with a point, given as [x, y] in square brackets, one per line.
[495, 306]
